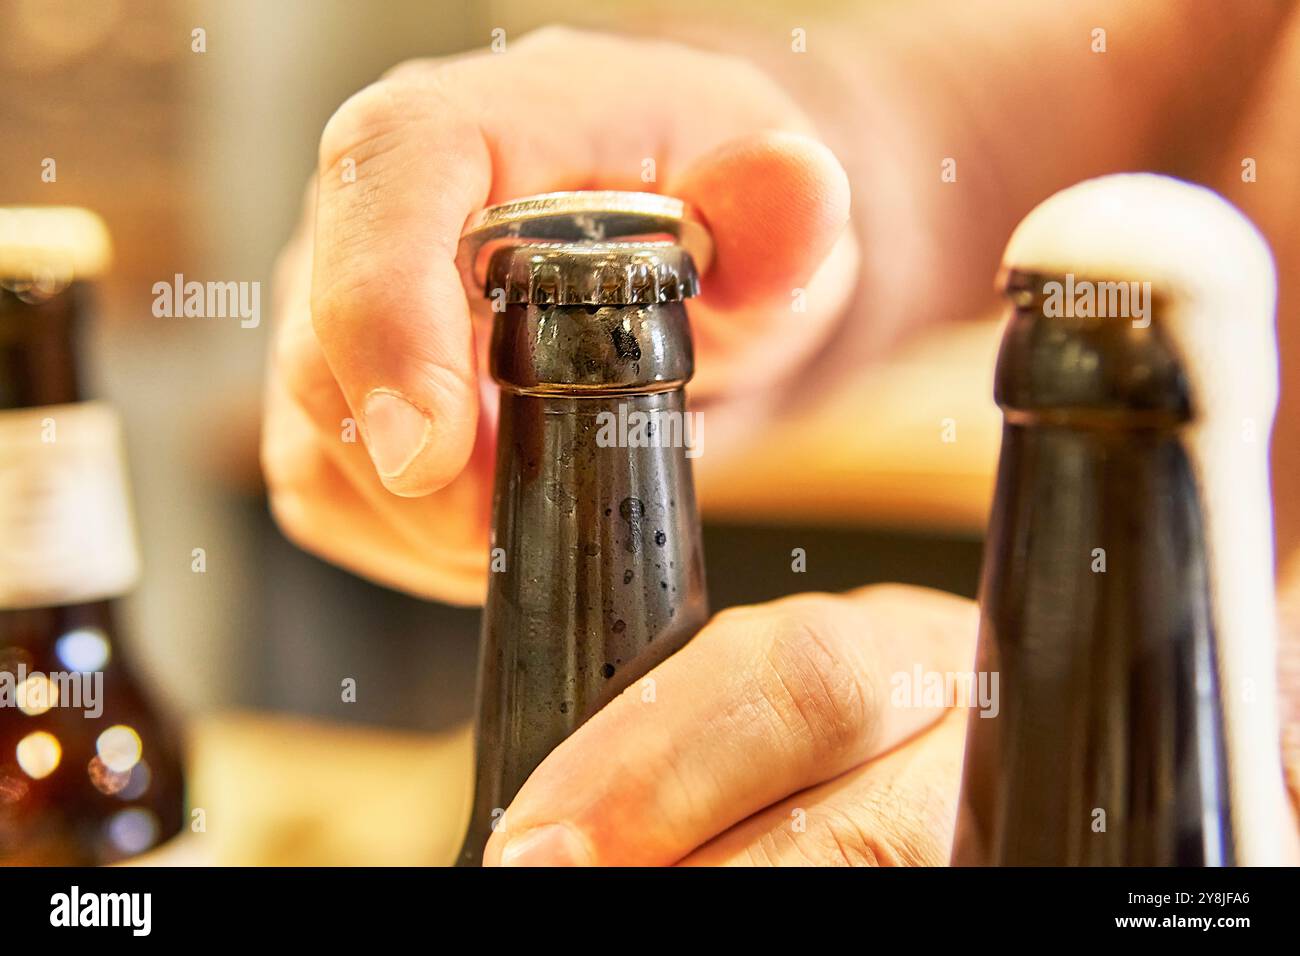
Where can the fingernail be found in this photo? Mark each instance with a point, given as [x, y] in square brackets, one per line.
[396, 431]
[552, 845]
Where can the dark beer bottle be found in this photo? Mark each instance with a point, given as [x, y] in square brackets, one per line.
[1126, 595]
[88, 772]
[597, 569]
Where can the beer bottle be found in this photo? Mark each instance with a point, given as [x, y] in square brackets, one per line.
[596, 565]
[1126, 600]
[88, 772]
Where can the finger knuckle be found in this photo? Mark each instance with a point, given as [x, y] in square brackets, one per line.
[839, 840]
[550, 35]
[291, 516]
[733, 617]
[292, 458]
[285, 471]
[813, 687]
[363, 120]
[287, 348]
[413, 69]
[892, 594]
[376, 119]
[291, 265]
[831, 838]
[918, 820]
[301, 367]
[272, 465]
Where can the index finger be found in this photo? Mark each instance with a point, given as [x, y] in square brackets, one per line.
[400, 171]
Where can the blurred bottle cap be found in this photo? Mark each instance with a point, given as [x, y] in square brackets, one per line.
[573, 217]
[52, 246]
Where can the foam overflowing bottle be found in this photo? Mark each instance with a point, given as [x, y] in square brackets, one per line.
[1127, 593]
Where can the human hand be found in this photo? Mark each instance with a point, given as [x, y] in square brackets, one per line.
[375, 328]
[775, 740]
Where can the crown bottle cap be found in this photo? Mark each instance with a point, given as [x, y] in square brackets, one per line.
[592, 273]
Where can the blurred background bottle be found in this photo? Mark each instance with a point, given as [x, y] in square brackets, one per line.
[89, 772]
[597, 568]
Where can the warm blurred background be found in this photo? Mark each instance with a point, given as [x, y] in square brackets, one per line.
[198, 162]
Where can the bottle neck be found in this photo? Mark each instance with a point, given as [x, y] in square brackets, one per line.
[38, 360]
[1085, 362]
[592, 350]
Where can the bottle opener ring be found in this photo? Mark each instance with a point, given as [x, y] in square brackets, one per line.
[589, 216]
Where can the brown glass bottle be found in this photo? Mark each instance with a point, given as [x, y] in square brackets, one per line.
[1108, 747]
[597, 571]
[98, 779]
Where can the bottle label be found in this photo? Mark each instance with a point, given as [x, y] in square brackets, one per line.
[66, 528]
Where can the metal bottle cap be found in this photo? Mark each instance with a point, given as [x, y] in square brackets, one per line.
[598, 273]
[572, 217]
